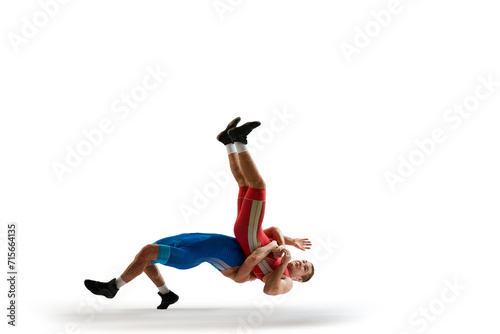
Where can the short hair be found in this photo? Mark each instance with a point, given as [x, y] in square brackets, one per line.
[307, 277]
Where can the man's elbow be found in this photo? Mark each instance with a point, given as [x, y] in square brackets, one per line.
[274, 229]
[240, 280]
[271, 291]
[253, 260]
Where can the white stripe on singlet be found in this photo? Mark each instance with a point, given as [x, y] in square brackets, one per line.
[218, 263]
[252, 234]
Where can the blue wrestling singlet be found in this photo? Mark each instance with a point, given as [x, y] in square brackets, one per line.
[188, 250]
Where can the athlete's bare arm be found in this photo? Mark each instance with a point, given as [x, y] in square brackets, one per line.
[244, 272]
[276, 283]
[274, 233]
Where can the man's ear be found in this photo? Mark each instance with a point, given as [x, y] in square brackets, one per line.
[299, 279]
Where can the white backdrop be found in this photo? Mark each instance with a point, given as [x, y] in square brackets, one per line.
[378, 141]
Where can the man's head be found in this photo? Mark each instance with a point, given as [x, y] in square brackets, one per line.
[300, 270]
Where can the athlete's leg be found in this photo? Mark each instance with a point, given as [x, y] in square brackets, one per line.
[248, 226]
[234, 164]
[154, 275]
[141, 263]
[147, 254]
[250, 172]
[109, 289]
[241, 196]
[167, 297]
[246, 164]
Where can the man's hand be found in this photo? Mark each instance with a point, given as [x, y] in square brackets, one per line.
[276, 283]
[244, 272]
[260, 253]
[301, 244]
[274, 244]
[287, 256]
[278, 251]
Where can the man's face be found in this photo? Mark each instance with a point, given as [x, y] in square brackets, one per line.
[300, 268]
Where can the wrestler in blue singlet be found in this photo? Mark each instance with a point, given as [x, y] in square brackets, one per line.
[188, 250]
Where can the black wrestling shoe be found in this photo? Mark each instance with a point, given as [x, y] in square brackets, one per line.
[223, 137]
[167, 299]
[240, 133]
[107, 290]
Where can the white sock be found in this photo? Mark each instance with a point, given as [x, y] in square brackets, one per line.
[163, 289]
[230, 148]
[120, 282]
[240, 147]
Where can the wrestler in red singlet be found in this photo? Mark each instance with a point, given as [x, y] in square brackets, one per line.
[248, 228]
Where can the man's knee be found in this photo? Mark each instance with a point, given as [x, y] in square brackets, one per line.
[151, 270]
[257, 183]
[148, 253]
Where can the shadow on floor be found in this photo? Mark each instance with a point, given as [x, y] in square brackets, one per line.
[240, 319]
